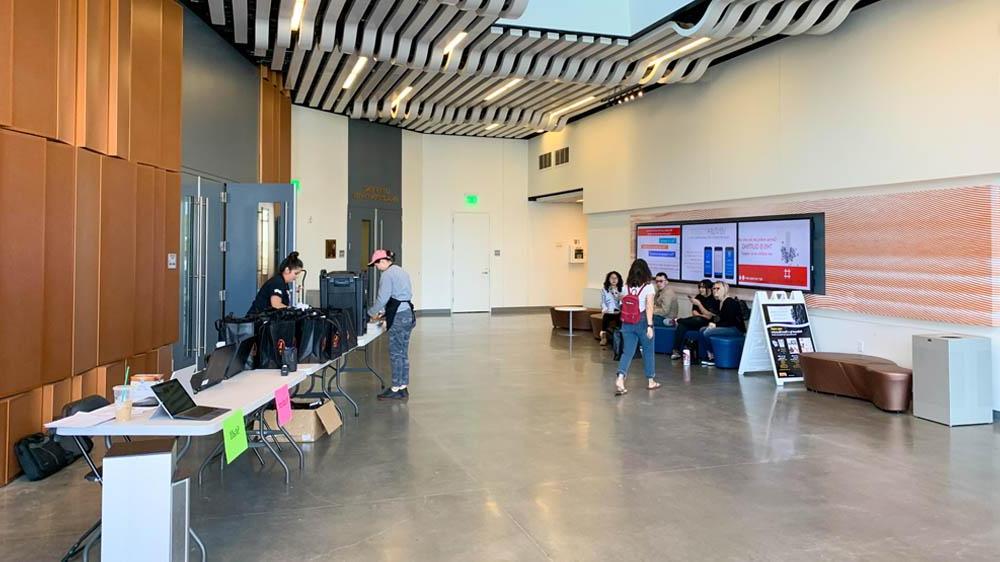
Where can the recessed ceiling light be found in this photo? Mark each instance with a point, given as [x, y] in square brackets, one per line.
[579, 200]
[493, 126]
[540, 130]
[358, 67]
[454, 42]
[680, 50]
[297, 14]
[499, 91]
[402, 95]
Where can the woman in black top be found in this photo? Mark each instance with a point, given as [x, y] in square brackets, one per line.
[729, 322]
[704, 307]
[274, 293]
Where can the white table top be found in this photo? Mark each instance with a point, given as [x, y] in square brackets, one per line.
[374, 331]
[247, 391]
[571, 308]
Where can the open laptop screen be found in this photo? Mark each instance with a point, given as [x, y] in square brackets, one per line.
[173, 396]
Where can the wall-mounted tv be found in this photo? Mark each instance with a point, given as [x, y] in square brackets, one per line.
[781, 252]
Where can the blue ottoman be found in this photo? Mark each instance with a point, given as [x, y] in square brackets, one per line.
[663, 338]
[728, 351]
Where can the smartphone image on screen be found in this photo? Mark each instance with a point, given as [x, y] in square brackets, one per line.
[708, 262]
[730, 262]
[717, 263]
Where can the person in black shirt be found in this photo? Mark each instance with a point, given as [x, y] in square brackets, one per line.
[274, 293]
[704, 307]
[728, 322]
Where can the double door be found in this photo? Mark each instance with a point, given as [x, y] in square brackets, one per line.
[233, 237]
[370, 229]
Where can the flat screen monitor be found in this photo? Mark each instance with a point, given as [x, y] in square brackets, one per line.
[708, 251]
[660, 246]
[776, 254]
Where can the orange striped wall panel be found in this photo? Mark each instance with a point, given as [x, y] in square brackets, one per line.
[924, 255]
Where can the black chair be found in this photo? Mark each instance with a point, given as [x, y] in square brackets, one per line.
[83, 445]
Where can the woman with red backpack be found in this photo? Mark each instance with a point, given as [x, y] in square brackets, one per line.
[637, 324]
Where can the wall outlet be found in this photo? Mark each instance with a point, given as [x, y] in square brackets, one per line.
[861, 346]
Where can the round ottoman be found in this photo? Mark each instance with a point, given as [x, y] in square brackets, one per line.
[728, 351]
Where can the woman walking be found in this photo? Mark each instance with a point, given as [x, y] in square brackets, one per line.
[637, 325]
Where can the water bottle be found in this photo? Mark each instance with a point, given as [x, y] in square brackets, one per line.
[687, 357]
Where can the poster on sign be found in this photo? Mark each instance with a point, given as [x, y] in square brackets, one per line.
[778, 333]
[660, 246]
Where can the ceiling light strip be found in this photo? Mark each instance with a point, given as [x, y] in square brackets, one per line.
[358, 67]
[502, 89]
[454, 42]
[680, 50]
[297, 14]
[572, 106]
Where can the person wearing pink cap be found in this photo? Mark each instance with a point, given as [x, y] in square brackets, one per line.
[393, 304]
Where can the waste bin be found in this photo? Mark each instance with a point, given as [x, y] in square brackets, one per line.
[952, 379]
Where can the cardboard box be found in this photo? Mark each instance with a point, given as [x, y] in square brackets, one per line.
[308, 425]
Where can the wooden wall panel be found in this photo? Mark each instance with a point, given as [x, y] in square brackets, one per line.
[86, 289]
[54, 397]
[109, 376]
[120, 78]
[117, 260]
[159, 258]
[76, 387]
[24, 418]
[140, 363]
[142, 335]
[284, 139]
[22, 245]
[89, 383]
[35, 76]
[60, 230]
[171, 57]
[66, 94]
[266, 127]
[172, 233]
[93, 74]
[6, 60]
[146, 105]
[5, 446]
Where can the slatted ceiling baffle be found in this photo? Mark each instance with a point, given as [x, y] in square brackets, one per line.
[405, 44]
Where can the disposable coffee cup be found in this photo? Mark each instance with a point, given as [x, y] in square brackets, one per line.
[123, 402]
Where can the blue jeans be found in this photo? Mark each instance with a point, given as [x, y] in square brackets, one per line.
[705, 341]
[634, 335]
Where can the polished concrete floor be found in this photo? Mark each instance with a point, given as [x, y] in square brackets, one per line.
[513, 447]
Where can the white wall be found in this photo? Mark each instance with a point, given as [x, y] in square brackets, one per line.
[903, 91]
[533, 268]
[319, 162]
[904, 96]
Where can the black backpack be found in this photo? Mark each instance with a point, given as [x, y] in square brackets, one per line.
[40, 456]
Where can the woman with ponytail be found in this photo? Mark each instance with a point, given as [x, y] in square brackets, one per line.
[275, 293]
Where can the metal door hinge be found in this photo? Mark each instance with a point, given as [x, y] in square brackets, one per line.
[224, 196]
[222, 295]
[223, 246]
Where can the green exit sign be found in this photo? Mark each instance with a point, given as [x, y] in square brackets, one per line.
[297, 185]
[471, 199]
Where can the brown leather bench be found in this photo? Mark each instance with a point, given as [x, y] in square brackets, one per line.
[880, 381]
[595, 324]
[581, 319]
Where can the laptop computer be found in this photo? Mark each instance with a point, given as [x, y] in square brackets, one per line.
[218, 364]
[178, 403]
[240, 357]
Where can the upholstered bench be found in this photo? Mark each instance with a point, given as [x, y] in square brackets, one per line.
[728, 351]
[663, 338]
[581, 319]
[880, 381]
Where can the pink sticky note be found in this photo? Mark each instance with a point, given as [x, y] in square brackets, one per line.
[284, 404]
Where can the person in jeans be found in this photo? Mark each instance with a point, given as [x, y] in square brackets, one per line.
[704, 307]
[638, 284]
[664, 302]
[611, 296]
[394, 307]
[729, 322]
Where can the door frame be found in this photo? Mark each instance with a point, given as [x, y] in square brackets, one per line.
[489, 277]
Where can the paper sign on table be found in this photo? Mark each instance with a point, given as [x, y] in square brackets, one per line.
[284, 404]
[234, 435]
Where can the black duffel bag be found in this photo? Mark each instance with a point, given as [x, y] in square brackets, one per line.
[40, 456]
[234, 330]
[276, 331]
[347, 335]
[313, 337]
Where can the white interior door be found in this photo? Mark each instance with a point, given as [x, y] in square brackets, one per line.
[470, 262]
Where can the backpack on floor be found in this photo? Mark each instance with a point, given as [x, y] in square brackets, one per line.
[40, 456]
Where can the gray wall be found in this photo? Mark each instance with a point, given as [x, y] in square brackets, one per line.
[220, 106]
[374, 160]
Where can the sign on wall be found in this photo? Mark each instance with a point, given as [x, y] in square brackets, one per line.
[778, 333]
